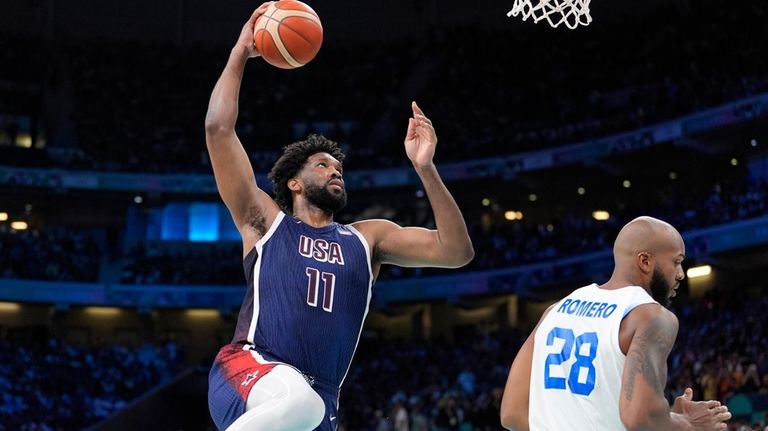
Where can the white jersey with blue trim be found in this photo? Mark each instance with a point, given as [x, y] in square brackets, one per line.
[577, 360]
[308, 294]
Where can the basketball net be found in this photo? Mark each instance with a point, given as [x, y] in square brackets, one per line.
[572, 13]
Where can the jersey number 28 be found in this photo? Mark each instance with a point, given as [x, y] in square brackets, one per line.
[583, 361]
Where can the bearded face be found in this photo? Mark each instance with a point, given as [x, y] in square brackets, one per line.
[328, 200]
[660, 288]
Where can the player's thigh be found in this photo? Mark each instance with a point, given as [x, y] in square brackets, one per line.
[234, 372]
[281, 400]
[285, 383]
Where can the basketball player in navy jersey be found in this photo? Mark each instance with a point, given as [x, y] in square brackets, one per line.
[597, 360]
[309, 279]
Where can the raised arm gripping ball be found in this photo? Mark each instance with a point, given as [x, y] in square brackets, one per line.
[289, 34]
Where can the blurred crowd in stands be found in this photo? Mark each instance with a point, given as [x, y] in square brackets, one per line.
[70, 254]
[498, 243]
[436, 385]
[57, 254]
[542, 89]
[393, 385]
[54, 385]
[720, 350]
[136, 107]
[153, 263]
[131, 106]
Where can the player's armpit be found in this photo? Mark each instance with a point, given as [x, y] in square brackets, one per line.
[252, 210]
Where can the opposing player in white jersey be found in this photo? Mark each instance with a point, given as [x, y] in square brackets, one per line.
[597, 360]
[309, 279]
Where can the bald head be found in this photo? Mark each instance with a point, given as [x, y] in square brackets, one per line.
[646, 234]
[648, 253]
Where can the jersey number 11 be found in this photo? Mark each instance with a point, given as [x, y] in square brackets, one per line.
[313, 288]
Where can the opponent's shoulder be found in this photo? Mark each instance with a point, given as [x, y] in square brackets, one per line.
[653, 311]
[652, 321]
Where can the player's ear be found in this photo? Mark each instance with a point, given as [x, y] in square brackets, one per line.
[645, 262]
[294, 185]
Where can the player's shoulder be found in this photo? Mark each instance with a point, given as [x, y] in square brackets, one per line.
[653, 316]
[654, 310]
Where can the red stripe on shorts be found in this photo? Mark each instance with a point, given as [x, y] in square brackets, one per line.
[241, 368]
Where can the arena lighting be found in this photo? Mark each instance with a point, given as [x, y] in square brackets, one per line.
[102, 311]
[486, 202]
[24, 140]
[532, 197]
[202, 313]
[601, 215]
[513, 215]
[3, 216]
[9, 307]
[699, 271]
[19, 225]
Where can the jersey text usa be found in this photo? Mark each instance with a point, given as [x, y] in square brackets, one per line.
[320, 250]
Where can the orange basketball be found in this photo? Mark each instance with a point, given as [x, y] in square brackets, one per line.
[289, 34]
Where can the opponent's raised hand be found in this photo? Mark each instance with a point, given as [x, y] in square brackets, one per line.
[420, 140]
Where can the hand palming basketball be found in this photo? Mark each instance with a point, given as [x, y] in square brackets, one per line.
[288, 34]
[246, 34]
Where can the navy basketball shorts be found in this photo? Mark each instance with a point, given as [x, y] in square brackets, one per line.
[330, 395]
[234, 371]
[237, 368]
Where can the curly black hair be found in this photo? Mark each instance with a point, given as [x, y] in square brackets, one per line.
[294, 157]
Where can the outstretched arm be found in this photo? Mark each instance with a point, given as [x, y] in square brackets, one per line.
[448, 245]
[642, 403]
[251, 208]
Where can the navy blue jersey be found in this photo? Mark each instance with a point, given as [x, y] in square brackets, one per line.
[308, 295]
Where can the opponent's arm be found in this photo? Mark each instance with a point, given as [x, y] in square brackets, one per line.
[515, 401]
[448, 245]
[516, 398]
[642, 403]
[251, 208]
